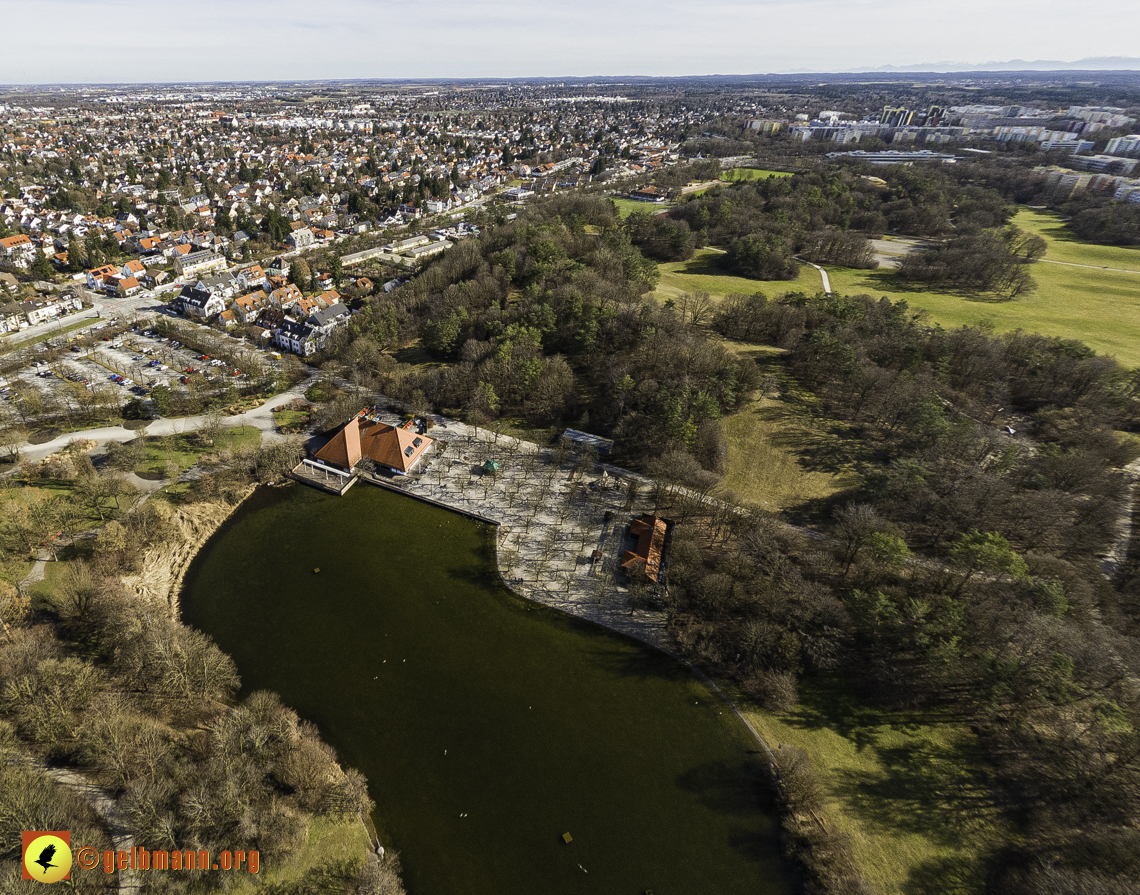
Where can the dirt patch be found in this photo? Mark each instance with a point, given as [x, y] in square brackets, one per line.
[43, 436]
[151, 476]
[164, 566]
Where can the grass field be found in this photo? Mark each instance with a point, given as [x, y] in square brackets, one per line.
[783, 451]
[184, 450]
[287, 418]
[701, 273]
[734, 174]
[327, 841]
[1099, 307]
[43, 592]
[626, 207]
[414, 354]
[908, 788]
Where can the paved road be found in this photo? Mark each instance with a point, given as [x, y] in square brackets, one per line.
[103, 308]
[889, 252]
[822, 273]
[260, 418]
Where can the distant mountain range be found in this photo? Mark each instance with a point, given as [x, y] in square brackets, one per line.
[1092, 63]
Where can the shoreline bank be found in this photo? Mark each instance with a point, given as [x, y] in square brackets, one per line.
[164, 567]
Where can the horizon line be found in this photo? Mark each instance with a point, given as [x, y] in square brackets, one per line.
[888, 71]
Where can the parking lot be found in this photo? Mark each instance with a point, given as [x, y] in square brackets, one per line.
[133, 361]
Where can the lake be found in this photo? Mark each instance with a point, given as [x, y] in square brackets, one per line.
[487, 726]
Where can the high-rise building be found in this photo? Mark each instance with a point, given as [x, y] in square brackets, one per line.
[935, 115]
[1129, 145]
[896, 116]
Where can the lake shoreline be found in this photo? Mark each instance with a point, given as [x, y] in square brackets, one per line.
[412, 693]
[164, 568]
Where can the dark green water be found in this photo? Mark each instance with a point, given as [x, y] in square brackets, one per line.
[456, 698]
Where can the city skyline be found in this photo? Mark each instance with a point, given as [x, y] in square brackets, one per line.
[67, 41]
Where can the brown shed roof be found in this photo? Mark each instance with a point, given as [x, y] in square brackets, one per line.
[650, 533]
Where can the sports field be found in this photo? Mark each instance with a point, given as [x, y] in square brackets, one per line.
[626, 207]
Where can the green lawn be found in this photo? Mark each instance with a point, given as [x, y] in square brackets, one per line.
[1064, 246]
[1099, 307]
[287, 418]
[327, 841]
[909, 788]
[185, 450]
[626, 207]
[783, 450]
[735, 174]
[701, 273]
[43, 592]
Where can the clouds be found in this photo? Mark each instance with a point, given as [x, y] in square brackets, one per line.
[115, 41]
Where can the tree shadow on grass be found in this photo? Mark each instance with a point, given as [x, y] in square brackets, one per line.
[704, 266]
[938, 790]
[836, 705]
[820, 443]
[884, 281]
[944, 876]
[924, 780]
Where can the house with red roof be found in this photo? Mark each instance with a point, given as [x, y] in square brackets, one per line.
[398, 450]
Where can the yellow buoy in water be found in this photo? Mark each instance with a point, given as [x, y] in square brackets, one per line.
[316, 571]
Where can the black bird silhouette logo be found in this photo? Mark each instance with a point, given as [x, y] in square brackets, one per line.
[44, 860]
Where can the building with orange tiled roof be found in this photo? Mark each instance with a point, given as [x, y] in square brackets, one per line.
[399, 450]
[99, 277]
[646, 557]
[247, 307]
[127, 286]
[286, 296]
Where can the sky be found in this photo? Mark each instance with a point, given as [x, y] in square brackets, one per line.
[115, 41]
